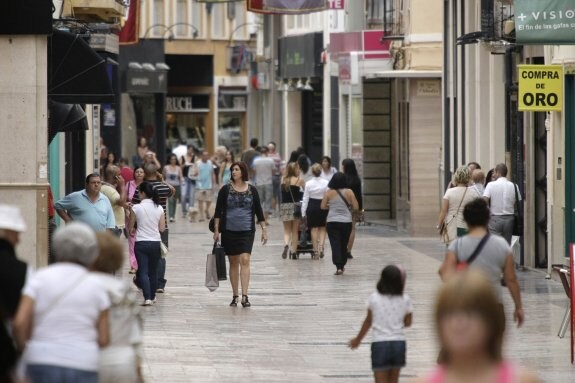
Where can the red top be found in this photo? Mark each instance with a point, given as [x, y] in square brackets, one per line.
[51, 211]
[506, 374]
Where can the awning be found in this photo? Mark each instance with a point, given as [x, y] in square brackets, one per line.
[76, 73]
[65, 118]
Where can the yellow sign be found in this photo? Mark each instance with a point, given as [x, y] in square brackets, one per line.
[540, 88]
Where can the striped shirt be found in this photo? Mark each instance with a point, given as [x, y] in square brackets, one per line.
[164, 192]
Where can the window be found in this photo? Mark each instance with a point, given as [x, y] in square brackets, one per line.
[158, 17]
[219, 21]
[387, 13]
[181, 17]
[197, 18]
[375, 11]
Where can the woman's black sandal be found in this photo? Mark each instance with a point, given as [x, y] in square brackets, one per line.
[245, 301]
[234, 301]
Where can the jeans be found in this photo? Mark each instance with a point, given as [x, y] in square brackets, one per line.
[172, 202]
[148, 255]
[338, 233]
[40, 373]
[190, 198]
[162, 263]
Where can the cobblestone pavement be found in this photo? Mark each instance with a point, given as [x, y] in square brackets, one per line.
[302, 315]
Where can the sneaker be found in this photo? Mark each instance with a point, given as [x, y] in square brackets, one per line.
[147, 302]
[159, 291]
[172, 219]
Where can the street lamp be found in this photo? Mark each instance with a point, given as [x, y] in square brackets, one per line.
[168, 28]
[231, 39]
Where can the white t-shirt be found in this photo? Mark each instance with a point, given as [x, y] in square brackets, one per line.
[388, 314]
[501, 194]
[66, 335]
[148, 217]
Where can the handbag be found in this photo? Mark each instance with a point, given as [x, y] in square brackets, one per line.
[297, 212]
[164, 249]
[220, 254]
[463, 265]
[518, 213]
[443, 227]
[212, 282]
[192, 168]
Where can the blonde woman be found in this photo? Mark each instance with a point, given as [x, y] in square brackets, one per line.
[450, 222]
[291, 194]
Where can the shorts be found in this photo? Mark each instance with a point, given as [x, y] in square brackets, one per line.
[205, 195]
[266, 195]
[387, 355]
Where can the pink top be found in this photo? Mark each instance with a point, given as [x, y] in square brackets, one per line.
[506, 374]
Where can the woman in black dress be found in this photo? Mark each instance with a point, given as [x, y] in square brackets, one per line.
[238, 203]
[311, 208]
[353, 183]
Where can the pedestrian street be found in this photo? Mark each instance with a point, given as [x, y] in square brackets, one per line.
[302, 316]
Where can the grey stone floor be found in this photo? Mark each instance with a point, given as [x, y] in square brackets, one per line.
[302, 315]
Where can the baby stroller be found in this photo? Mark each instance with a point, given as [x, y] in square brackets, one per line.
[305, 245]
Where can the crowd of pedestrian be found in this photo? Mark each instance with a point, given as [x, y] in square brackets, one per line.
[53, 336]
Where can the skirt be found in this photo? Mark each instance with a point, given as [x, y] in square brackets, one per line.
[238, 242]
[286, 211]
[316, 217]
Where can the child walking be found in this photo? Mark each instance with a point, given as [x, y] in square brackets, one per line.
[389, 312]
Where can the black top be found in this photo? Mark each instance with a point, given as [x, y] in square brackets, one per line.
[355, 186]
[164, 192]
[12, 278]
[221, 206]
[294, 191]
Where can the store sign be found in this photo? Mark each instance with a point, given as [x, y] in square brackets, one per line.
[179, 104]
[300, 56]
[146, 82]
[540, 88]
[287, 7]
[336, 4]
[545, 21]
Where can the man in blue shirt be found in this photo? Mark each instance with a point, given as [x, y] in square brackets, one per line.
[205, 185]
[88, 206]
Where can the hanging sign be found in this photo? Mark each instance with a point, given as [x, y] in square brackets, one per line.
[545, 21]
[540, 88]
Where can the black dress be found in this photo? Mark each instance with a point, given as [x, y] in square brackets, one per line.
[316, 217]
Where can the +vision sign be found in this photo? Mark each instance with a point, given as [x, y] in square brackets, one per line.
[545, 21]
[540, 88]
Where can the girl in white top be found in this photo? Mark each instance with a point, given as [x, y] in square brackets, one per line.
[327, 171]
[389, 312]
[120, 360]
[62, 320]
[313, 193]
[151, 221]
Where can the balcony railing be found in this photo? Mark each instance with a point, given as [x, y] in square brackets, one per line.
[98, 10]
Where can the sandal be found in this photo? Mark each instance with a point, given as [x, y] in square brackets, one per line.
[245, 301]
[234, 301]
[285, 252]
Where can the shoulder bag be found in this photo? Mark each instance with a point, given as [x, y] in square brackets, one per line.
[297, 213]
[463, 265]
[518, 213]
[349, 207]
[443, 228]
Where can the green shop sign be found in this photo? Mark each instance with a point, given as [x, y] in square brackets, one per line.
[545, 21]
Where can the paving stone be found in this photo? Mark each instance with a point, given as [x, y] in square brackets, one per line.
[302, 315]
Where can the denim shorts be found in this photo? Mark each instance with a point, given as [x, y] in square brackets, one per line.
[387, 355]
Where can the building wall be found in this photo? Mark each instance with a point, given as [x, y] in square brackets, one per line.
[425, 132]
[24, 122]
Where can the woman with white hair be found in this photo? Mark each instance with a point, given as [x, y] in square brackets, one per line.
[62, 320]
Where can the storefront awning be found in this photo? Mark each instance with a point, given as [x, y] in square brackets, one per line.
[65, 118]
[146, 78]
[76, 73]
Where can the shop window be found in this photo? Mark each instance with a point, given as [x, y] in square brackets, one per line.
[230, 132]
[186, 129]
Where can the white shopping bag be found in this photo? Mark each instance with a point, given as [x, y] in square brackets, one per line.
[212, 281]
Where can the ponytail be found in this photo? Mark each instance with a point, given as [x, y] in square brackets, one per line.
[150, 192]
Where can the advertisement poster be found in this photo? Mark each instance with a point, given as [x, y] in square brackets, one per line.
[287, 6]
[545, 21]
